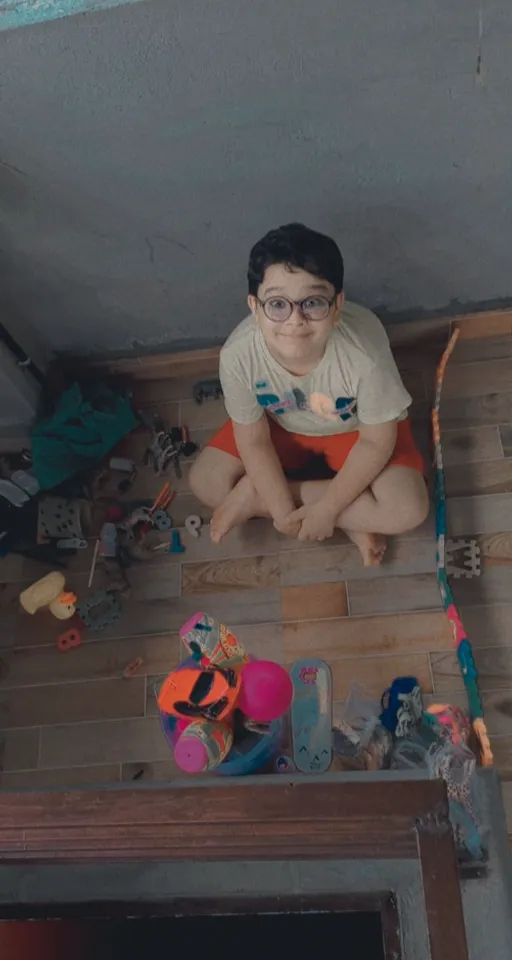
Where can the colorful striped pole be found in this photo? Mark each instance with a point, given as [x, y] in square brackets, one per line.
[462, 644]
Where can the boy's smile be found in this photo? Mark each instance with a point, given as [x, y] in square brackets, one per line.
[297, 343]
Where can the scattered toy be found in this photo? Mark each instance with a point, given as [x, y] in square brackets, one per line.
[99, 610]
[133, 667]
[13, 493]
[26, 480]
[202, 702]
[108, 540]
[122, 464]
[462, 558]
[49, 592]
[81, 431]
[60, 517]
[93, 563]
[72, 543]
[163, 499]
[161, 520]
[205, 389]
[402, 705]
[193, 525]
[311, 715]
[284, 764]
[176, 545]
[69, 640]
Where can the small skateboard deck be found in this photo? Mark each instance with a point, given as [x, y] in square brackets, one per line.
[311, 715]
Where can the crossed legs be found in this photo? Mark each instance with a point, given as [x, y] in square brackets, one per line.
[396, 501]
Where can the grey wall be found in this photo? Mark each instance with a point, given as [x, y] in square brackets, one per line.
[144, 148]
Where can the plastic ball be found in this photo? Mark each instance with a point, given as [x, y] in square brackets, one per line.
[266, 691]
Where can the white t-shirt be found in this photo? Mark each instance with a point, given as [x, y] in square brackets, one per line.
[356, 381]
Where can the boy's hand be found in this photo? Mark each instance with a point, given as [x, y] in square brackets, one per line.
[289, 525]
[316, 521]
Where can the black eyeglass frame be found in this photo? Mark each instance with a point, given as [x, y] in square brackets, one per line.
[297, 303]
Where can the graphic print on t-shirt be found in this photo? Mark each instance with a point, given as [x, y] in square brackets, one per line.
[343, 408]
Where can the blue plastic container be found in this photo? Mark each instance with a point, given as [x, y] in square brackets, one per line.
[248, 755]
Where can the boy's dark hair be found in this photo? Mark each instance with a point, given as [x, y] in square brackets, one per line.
[296, 246]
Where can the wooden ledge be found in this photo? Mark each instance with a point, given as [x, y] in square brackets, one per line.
[205, 362]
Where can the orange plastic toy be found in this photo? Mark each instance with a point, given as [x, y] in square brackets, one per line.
[69, 639]
[209, 693]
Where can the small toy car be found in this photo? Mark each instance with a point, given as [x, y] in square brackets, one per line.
[209, 693]
[205, 389]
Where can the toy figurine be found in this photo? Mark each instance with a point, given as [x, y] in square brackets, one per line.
[49, 592]
[198, 700]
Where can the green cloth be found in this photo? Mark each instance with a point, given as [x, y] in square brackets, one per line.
[79, 433]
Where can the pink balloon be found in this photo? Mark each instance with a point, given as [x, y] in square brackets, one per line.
[266, 691]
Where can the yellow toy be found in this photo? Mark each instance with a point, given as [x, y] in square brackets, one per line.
[49, 592]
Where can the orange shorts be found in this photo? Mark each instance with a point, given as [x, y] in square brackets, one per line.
[295, 450]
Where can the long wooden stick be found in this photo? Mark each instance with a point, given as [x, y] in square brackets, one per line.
[462, 644]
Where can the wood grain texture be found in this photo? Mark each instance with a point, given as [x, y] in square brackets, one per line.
[467, 445]
[393, 594]
[235, 574]
[375, 674]
[443, 900]
[209, 415]
[73, 702]
[314, 602]
[420, 332]
[394, 634]
[477, 379]
[506, 440]
[491, 323]
[485, 477]
[158, 770]
[496, 549]
[112, 741]
[490, 348]
[158, 366]
[302, 820]
[479, 514]
[343, 562]
[494, 585]
[476, 411]
[164, 389]
[494, 665]
[19, 749]
[488, 625]
[253, 539]
[101, 660]
[65, 779]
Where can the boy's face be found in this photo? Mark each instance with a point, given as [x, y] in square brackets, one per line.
[296, 339]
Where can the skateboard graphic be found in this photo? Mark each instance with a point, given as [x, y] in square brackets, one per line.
[311, 715]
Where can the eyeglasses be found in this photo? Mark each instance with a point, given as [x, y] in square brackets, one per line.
[279, 309]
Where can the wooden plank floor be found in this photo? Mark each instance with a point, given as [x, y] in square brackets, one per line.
[71, 719]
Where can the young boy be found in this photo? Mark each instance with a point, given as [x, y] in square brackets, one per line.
[310, 373]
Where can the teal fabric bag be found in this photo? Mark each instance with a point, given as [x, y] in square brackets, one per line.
[79, 433]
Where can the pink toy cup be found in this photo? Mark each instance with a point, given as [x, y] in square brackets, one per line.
[266, 691]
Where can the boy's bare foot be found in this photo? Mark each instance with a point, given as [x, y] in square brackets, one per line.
[240, 505]
[372, 547]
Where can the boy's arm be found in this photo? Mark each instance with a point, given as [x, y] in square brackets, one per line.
[365, 461]
[262, 466]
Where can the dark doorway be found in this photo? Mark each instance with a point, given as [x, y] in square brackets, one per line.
[295, 936]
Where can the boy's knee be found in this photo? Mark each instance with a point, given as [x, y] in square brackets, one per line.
[209, 482]
[414, 510]
[198, 481]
